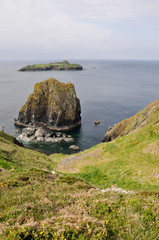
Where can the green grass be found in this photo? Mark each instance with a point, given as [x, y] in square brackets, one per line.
[132, 165]
[130, 161]
[18, 158]
[37, 204]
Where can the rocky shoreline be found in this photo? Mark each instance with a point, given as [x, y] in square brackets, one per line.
[53, 128]
[37, 134]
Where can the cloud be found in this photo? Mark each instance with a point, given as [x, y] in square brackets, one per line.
[45, 26]
[114, 10]
[75, 29]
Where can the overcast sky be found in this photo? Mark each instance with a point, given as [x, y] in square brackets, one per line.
[79, 29]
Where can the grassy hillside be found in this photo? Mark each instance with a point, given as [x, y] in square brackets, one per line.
[147, 116]
[110, 191]
[16, 158]
[130, 161]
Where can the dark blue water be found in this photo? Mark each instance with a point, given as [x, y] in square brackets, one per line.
[109, 91]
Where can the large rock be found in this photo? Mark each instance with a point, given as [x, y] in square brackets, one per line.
[52, 103]
[74, 147]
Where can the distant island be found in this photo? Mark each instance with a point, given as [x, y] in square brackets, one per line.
[60, 66]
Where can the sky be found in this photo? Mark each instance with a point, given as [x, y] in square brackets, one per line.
[83, 29]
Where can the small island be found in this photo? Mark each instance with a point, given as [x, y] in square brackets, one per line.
[60, 66]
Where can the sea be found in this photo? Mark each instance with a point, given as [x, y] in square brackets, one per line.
[109, 91]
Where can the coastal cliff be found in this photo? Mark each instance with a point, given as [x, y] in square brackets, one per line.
[52, 103]
[61, 66]
[129, 125]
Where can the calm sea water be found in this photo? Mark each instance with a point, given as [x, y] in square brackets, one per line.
[109, 91]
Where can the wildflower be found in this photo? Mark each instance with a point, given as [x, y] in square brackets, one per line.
[41, 232]
[98, 234]
[62, 237]
[106, 221]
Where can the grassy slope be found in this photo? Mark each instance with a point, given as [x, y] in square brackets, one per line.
[16, 158]
[147, 116]
[36, 204]
[130, 161]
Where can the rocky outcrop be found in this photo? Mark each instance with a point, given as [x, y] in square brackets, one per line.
[53, 104]
[61, 66]
[96, 122]
[74, 147]
[131, 124]
[43, 134]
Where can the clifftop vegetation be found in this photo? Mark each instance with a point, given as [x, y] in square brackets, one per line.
[147, 116]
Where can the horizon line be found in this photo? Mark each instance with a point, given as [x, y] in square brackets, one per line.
[87, 59]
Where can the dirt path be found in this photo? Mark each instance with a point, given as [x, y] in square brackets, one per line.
[74, 162]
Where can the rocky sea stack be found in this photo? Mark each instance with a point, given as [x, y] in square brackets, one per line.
[53, 104]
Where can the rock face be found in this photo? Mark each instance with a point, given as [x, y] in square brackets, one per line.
[128, 125]
[43, 134]
[52, 103]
